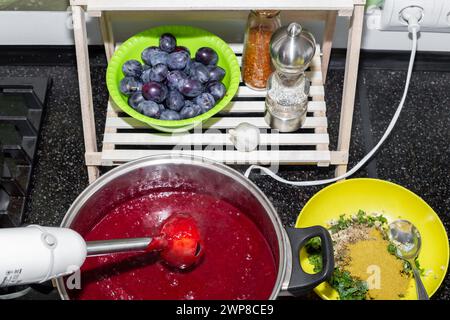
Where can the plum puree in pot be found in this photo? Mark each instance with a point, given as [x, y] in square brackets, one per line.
[237, 261]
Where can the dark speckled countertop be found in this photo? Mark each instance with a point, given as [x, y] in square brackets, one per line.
[416, 155]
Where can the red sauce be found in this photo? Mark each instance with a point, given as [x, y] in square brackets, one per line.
[237, 262]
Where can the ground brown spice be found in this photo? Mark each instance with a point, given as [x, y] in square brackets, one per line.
[256, 62]
[372, 254]
[343, 238]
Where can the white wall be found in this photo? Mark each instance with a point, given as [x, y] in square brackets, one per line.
[54, 28]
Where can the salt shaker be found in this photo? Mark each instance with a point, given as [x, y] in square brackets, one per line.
[291, 49]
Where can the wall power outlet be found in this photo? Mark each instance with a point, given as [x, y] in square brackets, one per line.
[435, 18]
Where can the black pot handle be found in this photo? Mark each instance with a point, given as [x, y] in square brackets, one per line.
[302, 282]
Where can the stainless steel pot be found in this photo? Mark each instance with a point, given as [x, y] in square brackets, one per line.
[209, 177]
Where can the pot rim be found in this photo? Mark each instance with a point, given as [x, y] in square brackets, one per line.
[283, 243]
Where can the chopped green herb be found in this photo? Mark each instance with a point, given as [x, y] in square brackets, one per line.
[408, 270]
[316, 261]
[341, 224]
[314, 249]
[421, 270]
[348, 287]
[314, 245]
[360, 218]
[392, 249]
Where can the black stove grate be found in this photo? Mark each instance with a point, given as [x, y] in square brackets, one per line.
[22, 103]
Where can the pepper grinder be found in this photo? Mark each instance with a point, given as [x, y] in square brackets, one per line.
[291, 49]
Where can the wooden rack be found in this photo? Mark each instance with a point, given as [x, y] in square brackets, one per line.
[127, 139]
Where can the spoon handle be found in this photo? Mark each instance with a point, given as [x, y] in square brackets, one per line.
[421, 292]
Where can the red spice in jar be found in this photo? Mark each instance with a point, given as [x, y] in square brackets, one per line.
[256, 63]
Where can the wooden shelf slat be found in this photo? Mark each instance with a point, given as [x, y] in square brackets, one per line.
[163, 5]
[259, 107]
[285, 139]
[226, 156]
[246, 92]
[241, 107]
[213, 123]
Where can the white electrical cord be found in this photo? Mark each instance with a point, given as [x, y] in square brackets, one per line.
[413, 27]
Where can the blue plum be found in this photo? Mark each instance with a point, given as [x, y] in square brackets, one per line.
[129, 85]
[167, 42]
[198, 110]
[177, 60]
[190, 87]
[206, 56]
[132, 68]
[154, 55]
[188, 103]
[174, 78]
[147, 52]
[205, 101]
[183, 48]
[135, 99]
[149, 108]
[145, 76]
[217, 89]
[216, 73]
[188, 112]
[158, 58]
[170, 115]
[154, 91]
[190, 63]
[174, 100]
[158, 73]
[199, 72]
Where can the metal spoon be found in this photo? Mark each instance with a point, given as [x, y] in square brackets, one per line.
[406, 238]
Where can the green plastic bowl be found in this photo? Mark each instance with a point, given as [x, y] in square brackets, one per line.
[190, 37]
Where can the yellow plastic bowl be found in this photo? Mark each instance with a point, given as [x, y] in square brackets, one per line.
[394, 202]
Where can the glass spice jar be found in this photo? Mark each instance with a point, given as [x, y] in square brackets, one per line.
[256, 61]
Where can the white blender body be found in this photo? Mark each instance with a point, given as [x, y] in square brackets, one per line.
[36, 254]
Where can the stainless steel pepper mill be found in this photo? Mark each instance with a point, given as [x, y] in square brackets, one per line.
[291, 49]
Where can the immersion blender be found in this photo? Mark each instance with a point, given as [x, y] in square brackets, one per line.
[35, 254]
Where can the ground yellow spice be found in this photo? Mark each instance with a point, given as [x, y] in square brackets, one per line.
[370, 261]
